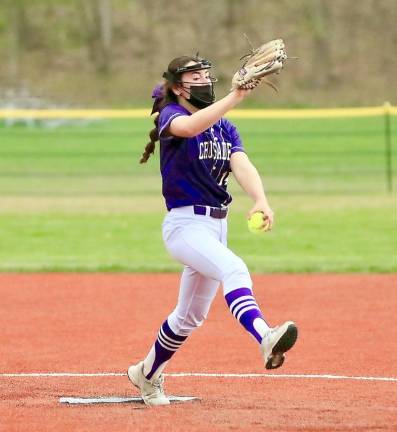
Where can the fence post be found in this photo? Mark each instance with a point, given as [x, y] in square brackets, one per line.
[388, 149]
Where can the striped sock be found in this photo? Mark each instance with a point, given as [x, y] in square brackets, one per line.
[163, 349]
[243, 306]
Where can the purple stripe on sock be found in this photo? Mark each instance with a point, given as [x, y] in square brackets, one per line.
[248, 317]
[243, 305]
[238, 303]
[163, 354]
[163, 338]
[168, 332]
[239, 292]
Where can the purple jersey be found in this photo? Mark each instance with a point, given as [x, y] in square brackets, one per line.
[195, 170]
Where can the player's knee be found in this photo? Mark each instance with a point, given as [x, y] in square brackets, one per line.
[237, 276]
[184, 325]
[192, 321]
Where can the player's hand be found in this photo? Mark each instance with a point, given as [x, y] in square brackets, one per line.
[268, 215]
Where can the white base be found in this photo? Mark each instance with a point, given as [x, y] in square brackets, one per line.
[119, 399]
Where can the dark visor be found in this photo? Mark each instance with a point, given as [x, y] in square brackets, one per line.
[172, 76]
[202, 64]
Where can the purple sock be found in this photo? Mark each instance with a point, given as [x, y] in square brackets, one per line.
[163, 349]
[243, 306]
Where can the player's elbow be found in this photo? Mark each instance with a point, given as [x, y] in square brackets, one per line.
[239, 162]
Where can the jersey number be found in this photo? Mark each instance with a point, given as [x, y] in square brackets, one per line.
[224, 178]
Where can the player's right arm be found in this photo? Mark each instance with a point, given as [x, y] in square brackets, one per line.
[250, 181]
[190, 126]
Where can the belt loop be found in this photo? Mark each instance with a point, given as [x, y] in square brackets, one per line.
[200, 210]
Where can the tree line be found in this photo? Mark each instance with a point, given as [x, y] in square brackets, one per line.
[111, 52]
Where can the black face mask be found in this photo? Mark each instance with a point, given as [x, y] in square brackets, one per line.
[202, 96]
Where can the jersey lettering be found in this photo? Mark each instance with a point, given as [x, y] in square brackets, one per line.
[215, 150]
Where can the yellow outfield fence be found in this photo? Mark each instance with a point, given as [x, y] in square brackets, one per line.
[17, 113]
[314, 113]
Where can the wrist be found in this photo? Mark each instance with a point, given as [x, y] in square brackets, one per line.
[239, 95]
[262, 201]
[235, 96]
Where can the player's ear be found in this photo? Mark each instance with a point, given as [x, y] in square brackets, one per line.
[176, 88]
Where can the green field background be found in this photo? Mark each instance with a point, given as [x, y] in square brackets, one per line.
[73, 197]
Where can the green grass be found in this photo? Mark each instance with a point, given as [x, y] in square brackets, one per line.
[336, 155]
[74, 198]
[323, 235]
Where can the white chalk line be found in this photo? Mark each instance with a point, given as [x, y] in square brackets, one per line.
[201, 375]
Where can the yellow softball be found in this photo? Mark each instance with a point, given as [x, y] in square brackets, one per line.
[255, 223]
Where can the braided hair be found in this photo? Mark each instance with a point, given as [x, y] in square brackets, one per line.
[163, 95]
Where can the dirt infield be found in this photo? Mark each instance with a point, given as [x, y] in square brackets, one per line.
[96, 323]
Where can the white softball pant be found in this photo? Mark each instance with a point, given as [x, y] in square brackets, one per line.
[199, 242]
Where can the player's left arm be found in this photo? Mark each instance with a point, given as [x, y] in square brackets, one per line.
[250, 181]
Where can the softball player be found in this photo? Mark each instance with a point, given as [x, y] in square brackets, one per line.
[198, 150]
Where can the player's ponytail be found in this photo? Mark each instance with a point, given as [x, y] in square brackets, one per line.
[158, 96]
[151, 145]
[163, 95]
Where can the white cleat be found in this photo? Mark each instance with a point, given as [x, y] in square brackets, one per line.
[151, 390]
[276, 342]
